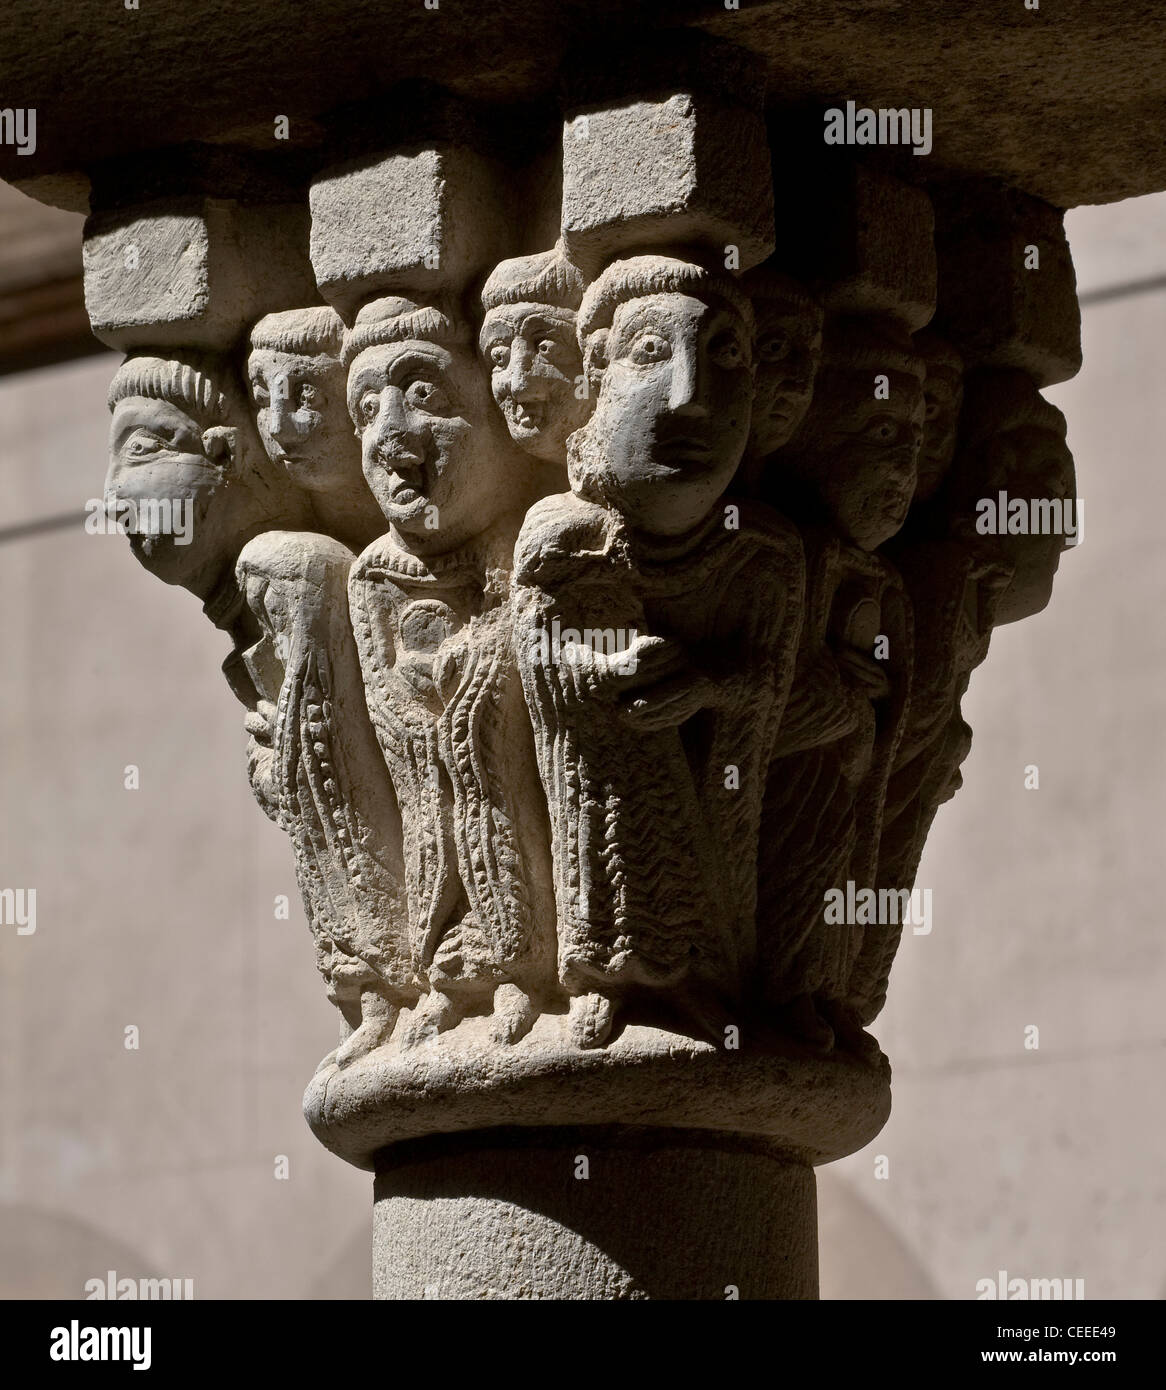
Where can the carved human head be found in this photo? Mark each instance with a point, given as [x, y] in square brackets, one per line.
[856, 450]
[435, 452]
[1012, 442]
[943, 395]
[787, 349]
[528, 342]
[667, 350]
[296, 380]
[181, 434]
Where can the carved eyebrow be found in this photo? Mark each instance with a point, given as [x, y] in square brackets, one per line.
[167, 436]
[410, 361]
[363, 380]
[497, 329]
[792, 325]
[722, 316]
[636, 323]
[545, 319]
[153, 422]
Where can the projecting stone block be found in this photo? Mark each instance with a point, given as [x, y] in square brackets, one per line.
[687, 167]
[194, 272]
[410, 224]
[1007, 291]
[865, 242]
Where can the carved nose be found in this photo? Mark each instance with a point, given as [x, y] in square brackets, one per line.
[521, 380]
[396, 441]
[392, 419]
[684, 391]
[281, 421]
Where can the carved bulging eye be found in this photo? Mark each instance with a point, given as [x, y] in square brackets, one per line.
[773, 347]
[427, 396]
[368, 407]
[883, 429]
[725, 350]
[143, 443]
[500, 354]
[650, 347]
[547, 347]
[310, 397]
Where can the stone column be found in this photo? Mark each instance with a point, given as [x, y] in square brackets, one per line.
[596, 506]
[600, 1213]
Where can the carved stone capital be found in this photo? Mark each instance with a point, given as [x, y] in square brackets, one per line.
[605, 545]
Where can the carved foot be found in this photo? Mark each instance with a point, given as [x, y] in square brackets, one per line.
[849, 1033]
[707, 1013]
[590, 1019]
[376, 1027]
[514, 1014]
[436, 1013]
[801, 1019]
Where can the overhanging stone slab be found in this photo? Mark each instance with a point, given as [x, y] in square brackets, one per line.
[1064, 102]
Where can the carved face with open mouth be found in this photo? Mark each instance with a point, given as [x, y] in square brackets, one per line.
[535, 364]
[427, 447]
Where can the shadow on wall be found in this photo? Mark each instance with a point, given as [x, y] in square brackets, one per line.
[860, 1256]
[46, 1255]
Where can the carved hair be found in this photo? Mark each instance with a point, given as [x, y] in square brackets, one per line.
[546, 278]
[763, 284]
[877, 343]
[938, 351]
[645, 275]
[315, 331]
[396, 320]
[201, 383]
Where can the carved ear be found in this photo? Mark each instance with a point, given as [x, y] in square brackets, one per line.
[221, 445]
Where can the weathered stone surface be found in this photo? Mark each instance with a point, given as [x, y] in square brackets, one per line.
[530, 1224]
[413, 223]
[864, 241]
[816, 1106]
[297, 385]
[603, 611]
[1042, 100]
[192, 272]
[667, 149]
[1009, 292]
